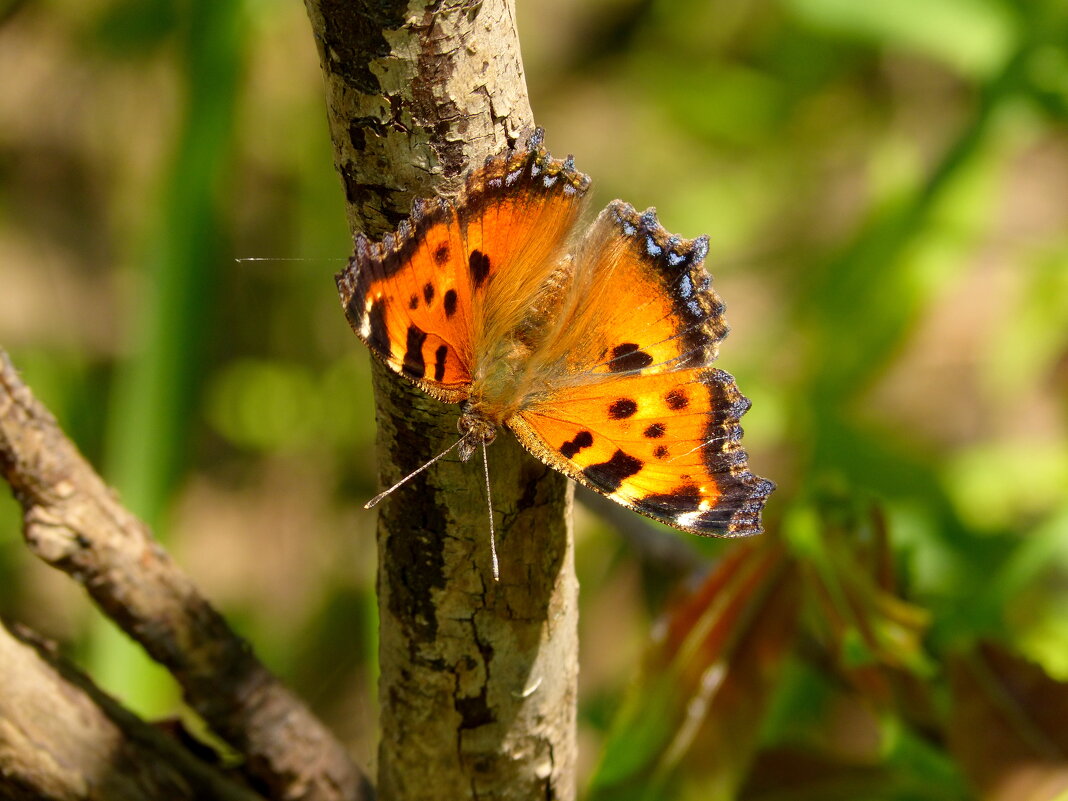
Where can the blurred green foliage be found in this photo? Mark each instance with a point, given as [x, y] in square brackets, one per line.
[886, 188]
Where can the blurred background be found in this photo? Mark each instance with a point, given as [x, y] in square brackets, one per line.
[885, 185]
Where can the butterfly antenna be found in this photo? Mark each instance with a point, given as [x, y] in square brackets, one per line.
[489, 501]
[412, 474]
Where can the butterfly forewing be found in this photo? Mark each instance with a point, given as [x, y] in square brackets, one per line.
[425, 299]
[402, 296]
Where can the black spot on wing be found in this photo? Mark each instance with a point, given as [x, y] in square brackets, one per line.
[439, 360]
[661, 452]
[679, 265]
[677, 399]
[622, 409]
[583, 439]
[413, 302]
[609, 476]
[628, 356]
[413, 364]
[376, 261]
[450, 303]
[679, 501]
[428, 293]
[378, 334]
[655, 431]
[479, 264]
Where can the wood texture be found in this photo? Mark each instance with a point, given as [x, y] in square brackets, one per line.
[74, 522]
[478, 679]
[61, 739]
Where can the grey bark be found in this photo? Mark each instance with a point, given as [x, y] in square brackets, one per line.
[478, 679]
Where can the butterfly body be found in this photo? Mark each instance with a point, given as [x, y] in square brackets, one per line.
[593, 347]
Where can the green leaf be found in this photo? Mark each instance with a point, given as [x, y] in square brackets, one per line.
[975, 37]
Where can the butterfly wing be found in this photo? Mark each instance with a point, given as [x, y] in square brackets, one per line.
[421, 297]
[630, 406]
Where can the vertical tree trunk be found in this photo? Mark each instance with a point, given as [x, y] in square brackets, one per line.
[478, 679]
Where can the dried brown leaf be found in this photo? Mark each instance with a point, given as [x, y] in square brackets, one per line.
[1008, 726]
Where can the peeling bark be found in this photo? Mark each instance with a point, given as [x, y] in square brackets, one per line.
[415, 98]
[478, 679]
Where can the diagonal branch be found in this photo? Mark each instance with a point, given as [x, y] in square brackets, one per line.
[75, 523]
[62, 739]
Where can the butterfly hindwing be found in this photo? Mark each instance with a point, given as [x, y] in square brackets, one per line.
[421, 297]
[667, 445]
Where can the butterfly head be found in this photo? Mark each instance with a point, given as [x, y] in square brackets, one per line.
[476, 429]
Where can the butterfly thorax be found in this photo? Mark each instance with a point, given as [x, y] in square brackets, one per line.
[501, 378]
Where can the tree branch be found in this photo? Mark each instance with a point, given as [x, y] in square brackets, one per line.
[74, 522]
[62, 739]
[478, 680]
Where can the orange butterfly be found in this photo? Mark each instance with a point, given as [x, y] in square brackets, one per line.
[592, 346]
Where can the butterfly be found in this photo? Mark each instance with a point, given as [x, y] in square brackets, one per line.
[593, 346]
